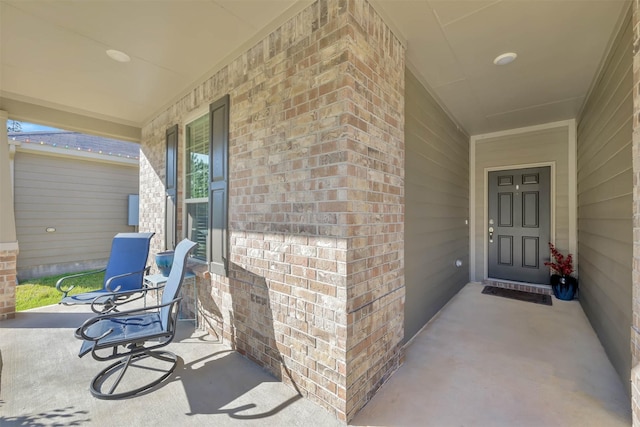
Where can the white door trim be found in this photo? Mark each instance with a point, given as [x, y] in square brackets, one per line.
[572, 190]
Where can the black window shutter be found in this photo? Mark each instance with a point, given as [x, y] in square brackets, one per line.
[219, 185]
[171, 185]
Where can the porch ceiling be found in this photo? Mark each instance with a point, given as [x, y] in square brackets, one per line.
[53, 52]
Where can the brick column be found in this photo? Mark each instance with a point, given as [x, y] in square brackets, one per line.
[635, 327]
[315, 291]
[8, 265]
[375, 259]
[8, 241]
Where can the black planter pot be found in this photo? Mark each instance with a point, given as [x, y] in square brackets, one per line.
[564, 287]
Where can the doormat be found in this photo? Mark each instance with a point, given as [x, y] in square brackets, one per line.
[519, 295]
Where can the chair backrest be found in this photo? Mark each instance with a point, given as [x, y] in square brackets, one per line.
[175, 279]
[129, 253]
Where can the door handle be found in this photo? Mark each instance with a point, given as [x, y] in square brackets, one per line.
[490, 234]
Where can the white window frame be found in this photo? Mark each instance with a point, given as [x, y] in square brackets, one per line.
[197, 114]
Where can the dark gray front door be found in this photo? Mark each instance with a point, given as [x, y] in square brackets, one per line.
[519, 218]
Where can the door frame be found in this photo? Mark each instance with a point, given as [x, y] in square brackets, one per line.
[552, 203]
[474, 233]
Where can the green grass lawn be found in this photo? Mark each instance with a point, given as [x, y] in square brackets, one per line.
[34, 293]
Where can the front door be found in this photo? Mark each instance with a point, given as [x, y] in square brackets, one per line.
[518, 225]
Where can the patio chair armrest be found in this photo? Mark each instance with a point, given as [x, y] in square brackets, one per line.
[109, 302]
[119, 276]
[65, 291]
[140, 310]
[81, 331]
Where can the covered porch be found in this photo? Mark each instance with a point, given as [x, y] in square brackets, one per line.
[483, 360]
[346, 205]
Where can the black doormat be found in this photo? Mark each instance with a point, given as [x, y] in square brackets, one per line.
[519, 295]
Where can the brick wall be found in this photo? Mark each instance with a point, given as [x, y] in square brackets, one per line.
[8, 259]
[315, 291]
[635, 327]
[375, 277]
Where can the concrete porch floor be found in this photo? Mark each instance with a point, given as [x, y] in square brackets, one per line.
[490, 361]
[482, 361]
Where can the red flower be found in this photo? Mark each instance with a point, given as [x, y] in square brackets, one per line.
[563, 266]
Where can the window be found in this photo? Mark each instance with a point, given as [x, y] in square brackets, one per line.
[206, 185]
[197, 184]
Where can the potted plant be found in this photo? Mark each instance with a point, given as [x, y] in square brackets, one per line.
[563, 284]
[164, 261]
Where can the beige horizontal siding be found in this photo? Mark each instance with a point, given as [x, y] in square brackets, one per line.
[436, 206]
[85, 201]
[541, 146]
[610, 84]
[605, 185]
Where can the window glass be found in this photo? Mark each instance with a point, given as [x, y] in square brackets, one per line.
[197, 184]
[198, 158]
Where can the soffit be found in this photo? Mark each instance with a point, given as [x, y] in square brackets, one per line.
[560, 47]
[53, 52]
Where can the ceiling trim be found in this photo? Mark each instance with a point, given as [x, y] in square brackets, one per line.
[58, 117]
[532, 107]
[294, 10]
[544, 126]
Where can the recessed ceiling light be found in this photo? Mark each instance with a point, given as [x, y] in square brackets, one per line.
[116, 55]
[505, 58]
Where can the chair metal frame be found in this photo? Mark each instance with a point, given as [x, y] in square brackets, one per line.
[109, 297]
[135, 334]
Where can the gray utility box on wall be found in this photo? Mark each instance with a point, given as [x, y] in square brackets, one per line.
[133, 210]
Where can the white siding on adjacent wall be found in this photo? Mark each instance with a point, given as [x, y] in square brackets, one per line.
[436, 207]
[85, 201]
[605, 185]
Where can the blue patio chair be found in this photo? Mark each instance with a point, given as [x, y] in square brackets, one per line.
[134, 335]
[124, 272]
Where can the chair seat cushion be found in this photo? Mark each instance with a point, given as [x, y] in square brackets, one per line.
[127, 330]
